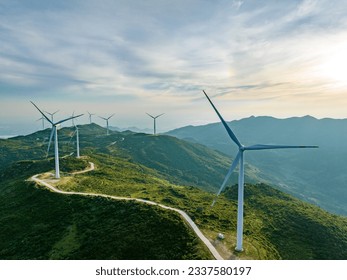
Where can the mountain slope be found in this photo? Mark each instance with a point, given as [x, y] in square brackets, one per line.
[277, 226]
[175, 160]
[34, 145]
[178, 161]
[39, 224]
[318, 175]
[296, 229]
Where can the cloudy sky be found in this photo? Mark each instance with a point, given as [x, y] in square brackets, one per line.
[278, 58]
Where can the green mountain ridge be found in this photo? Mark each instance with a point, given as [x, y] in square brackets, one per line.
[277, 226]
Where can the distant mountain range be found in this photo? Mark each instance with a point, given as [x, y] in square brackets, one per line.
[132, 128]
[315, 175]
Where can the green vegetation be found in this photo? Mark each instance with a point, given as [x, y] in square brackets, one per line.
[41, 224]
[296, 229]
[277, 226]
[177, 161]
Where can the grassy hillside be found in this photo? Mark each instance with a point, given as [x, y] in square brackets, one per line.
[296, 229]
[34, 146]
[178, 161]
[161, 169]
[277, 226]
[39, 224]
[175, 160]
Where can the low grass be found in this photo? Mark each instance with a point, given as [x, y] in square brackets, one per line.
[277, 226]
[39, 224]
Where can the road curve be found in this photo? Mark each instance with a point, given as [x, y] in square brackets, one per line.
[184, 215]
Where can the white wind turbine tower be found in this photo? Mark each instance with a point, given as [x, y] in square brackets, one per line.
[154, 120]
[54, 132]
[106, 119]
[90, 117]
[240, 159]
[77, 141]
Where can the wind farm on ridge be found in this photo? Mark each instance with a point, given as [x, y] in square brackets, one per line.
[157, 130]
[239, 159]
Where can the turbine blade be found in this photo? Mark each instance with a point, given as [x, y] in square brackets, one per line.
[274, 147]
[41, 112]
[110, 116]
[50, 139]
[150, 116]
[64, 120]
[73, 134]
[231, 169]
[102, 118]
[228, 129]
[159, 115]
[55, 112]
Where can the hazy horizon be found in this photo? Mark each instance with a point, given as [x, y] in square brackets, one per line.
[6, 132]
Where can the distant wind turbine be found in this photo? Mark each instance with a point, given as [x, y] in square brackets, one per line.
[106, 119]
[77, 141]
[43, 122]
[240, 159]
[72, 120]
[51, 114]
[90, 117]
[154, 120]
[54, 132]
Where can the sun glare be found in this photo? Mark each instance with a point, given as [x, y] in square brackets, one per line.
[334, 66]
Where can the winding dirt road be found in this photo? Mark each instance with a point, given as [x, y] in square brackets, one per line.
[184, 215]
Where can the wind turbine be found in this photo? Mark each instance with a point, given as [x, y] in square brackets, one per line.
[54, 132]
[106, 119]
[72, 120]
[43, 122]
[77, 141]
[154, 120]
[51, 114]
[90, 117]
[240, 159]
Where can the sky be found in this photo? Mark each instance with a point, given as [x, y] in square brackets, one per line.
[277, 58]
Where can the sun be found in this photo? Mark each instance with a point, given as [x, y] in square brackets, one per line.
[334, 66]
